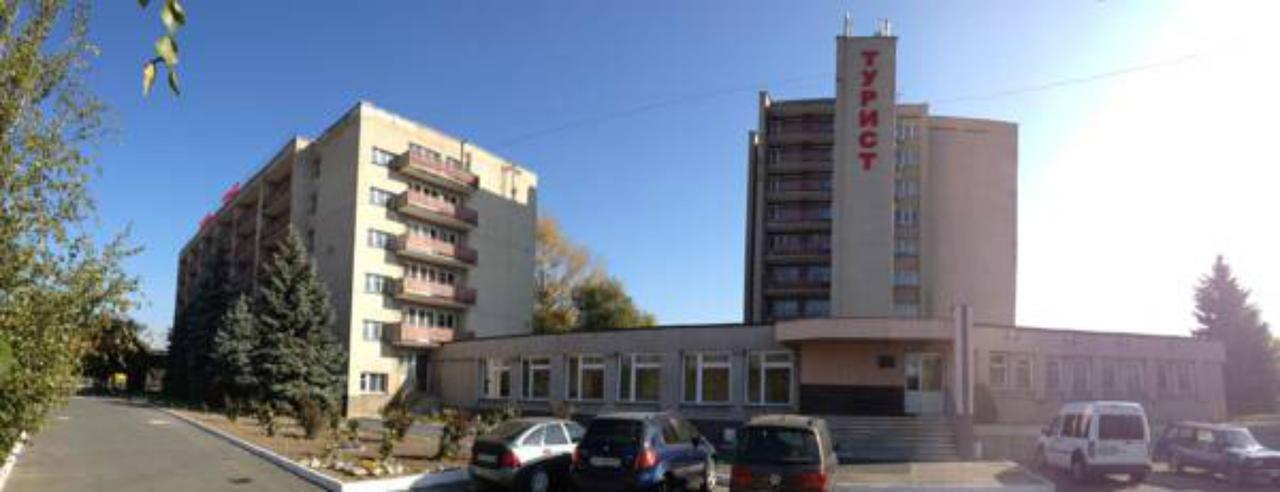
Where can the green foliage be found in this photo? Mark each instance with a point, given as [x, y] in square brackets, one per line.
[193, 374]
[572, 292]
[117, 348]
[312, 416]
[266, 417]
[387, 445]
[456, 425]
[299, 360]
[233, 347]
[58, 288]
[603, 303]
[1225, 314]
[396, 415]
[173, 16]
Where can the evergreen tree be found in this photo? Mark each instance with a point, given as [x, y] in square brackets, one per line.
[300, 361]
[1225, 315]
[233, 349]
[192, 375]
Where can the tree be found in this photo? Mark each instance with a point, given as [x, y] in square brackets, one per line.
[568, 281]
[57, 286]
[602, 302]
[115, 349]
[1225, 314]
[559, 267]
[233, 348]
[192, 375]
[173, 16]
[301, 363]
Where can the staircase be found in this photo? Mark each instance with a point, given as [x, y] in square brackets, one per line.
[864, 439]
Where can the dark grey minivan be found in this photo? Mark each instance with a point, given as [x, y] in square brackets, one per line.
[784, 453]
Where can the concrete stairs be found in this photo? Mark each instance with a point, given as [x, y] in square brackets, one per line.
[867, 439]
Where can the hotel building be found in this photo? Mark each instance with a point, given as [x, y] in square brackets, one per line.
[420, 237]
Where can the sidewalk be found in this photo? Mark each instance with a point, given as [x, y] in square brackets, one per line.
[967, 476]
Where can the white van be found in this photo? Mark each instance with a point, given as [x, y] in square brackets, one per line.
[1097, 438]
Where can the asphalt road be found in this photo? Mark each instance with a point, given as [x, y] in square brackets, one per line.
[1161, 480]
[112, 445]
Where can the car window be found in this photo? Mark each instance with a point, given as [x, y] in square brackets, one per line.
[1204, 438]
[509, 430]
[670, 433]
[534, 438]
[777, 446]
[1070, 425]
[1124, 427]
[555, 435]
[575, 431]
[611, 431]
[687, 430]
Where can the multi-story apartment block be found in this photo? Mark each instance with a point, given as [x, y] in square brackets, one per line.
[420, 237]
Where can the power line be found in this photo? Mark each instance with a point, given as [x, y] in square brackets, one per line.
[643, 108]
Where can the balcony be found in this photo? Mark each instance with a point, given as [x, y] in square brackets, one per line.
[434, 169]
[435, 251]
[796, 163]
[420, 291]
[410, 336]
[799, 254]
[425, 207]
[806, 132]
[786, 190]
[277, 204]
[795, 286]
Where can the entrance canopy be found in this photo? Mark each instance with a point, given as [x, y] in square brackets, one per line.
[852, 329]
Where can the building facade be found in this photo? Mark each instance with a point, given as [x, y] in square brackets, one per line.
[420, 237]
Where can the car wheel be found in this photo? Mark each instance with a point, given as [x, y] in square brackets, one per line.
[535, 480]
[1079, 471]
[708, 476]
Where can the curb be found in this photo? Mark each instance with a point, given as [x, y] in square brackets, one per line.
[324, 481]
[11, 460]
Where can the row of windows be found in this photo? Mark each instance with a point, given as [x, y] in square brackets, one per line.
[373, 382]
[431, 274]
[796, 273]
[799, 212]
[799, 153]
[429, 318]
[906, 246]
[800, 184]
[797, 308]
[799, 242]
[906, 131]
[906, 188]
[906, 217]
[906, 278]
[429, 231]
[1017, 372]
[707, 378]
[437, 157]
[436, 193]
[905, 157]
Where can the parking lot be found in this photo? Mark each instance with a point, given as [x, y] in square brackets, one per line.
[1161, 480]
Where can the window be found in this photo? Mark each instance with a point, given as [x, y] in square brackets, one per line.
[1133, 378]
[311, 239]
[315, 168]
[769, 378]
[536, 381]
[1052, 375]
[817, 308]
[905, 216]
[1184, 377]
[785, 274]
[885, 361]
[784, 308]
[906, 277]
[555, 436]
[640, 377]
[313, 203]
[380, 197]
[819, 274]
[1128, 427]
[429, 318]
[372, 331]
[1022, 373]
[431, 274]
[1109, 380]
[706, 377]
[382, 157]
[377, 284]
[373, 382]
[586, 377]
[381, 239]
[1080, 376]
[535, 438]
[998, 371]
[496, 374]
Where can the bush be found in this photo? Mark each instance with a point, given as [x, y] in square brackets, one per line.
[457, 426]
[232, 408]
[387, 445]
[266, 416]
[563, 410]
[311, 416]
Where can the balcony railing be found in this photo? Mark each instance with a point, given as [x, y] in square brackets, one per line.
[406, 335]
[798, 283]
[424, 291]
[425, 247]
[432, 167]
[428, 207]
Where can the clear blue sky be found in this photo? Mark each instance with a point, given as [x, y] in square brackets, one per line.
[659, 194]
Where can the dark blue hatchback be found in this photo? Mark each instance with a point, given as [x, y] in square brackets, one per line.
[643, 451]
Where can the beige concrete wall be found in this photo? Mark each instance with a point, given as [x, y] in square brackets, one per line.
[969, 218]
[1037, 405]
[855, 363]
[862, 208]
[456, 367]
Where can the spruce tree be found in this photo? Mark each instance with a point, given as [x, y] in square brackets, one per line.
[233, 349]
[300, 361]
[1224, 314]
[191, 373]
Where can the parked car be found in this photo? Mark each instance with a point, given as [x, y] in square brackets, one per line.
[1097, 438]
[530, 454]
[643, 451]
[784, 453]
[1218, 448]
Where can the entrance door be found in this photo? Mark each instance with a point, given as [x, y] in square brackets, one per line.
[924, 384]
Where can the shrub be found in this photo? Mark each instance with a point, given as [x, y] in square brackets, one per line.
[387, 445]
[311, 416]
[266, 416]
[562, 410]
[231, 408]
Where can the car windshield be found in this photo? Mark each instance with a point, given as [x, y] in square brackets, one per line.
[614, 431]
[777, 445]
[1238, 438]
[1122, 427]
[509, 430]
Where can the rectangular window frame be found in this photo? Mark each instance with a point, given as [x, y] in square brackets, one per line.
[701, 365]
[382, 157]
[372, 331]
[528, 366]
[998, 364]
[495, 379]
[758, 365]
[374, 383]
[628, 367]
[576, 366]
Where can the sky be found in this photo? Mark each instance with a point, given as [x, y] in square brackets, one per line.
[1145, 127]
